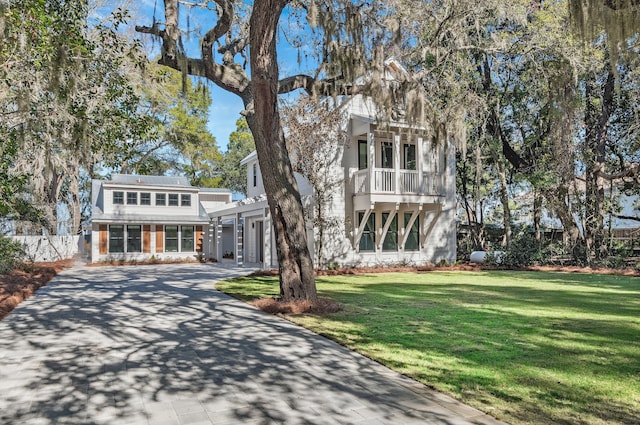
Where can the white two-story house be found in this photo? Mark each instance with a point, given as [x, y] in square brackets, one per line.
[394, 202]
[143, 217]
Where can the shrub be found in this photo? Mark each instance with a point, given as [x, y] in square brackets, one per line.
[11, 255]
[522, 252]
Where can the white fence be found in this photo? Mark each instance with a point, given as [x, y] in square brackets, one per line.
[50, 248]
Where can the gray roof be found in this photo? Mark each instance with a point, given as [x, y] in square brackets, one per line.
[151, 180]
[149, 219]
[214, 190]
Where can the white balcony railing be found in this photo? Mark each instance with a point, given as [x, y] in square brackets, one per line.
[385, 180]
[408, 182]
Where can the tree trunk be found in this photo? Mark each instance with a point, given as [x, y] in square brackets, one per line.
[537, 216]
[297, 281]
[597, 111]
[504, 199]
[557, 199]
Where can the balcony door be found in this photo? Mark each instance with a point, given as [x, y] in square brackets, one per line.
[386, 152]
[409, 156]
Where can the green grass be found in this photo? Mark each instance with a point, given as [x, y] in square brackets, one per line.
[526, 347]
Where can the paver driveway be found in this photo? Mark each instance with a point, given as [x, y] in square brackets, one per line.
[158, 345]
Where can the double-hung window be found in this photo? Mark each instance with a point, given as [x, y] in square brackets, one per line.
[118, 198]
[171, 238]
[390, 242]
[368, 238]
[134, 238]
[116, 238]
[161, 199]
[411, 244]
[185, 200]
[132, 198]
[187, 243]
[173, 199]
[145, 198]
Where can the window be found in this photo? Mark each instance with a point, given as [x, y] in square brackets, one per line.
[116, 238]
[187, 239]
[145, 198]
[185, 200]
[173, 199]
[134, 240]
[171, 238]
[161, 199]
[255, 174]
[409, 157]
[411, 243]
[390, 242]
[363, 154]
[132, 198]
[118, 198]
[368, 239]
[387, 155]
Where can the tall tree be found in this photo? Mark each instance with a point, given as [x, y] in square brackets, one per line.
[178, 140]
[344, 32]
[65, 97]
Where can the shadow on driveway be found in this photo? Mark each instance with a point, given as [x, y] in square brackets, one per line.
[159, 345]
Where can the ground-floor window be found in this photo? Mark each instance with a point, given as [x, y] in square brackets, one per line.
[119, 234]
[187, 239]
[116, 238]
[171, 238]
[368, 239]
[390, 242]
[134, 238]
[179, 238]
[411, 243]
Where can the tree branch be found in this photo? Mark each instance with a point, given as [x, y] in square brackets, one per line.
[626, 217]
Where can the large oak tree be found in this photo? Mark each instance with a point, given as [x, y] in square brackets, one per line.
[340, 35]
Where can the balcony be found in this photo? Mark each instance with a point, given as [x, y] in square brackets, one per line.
[399, 182]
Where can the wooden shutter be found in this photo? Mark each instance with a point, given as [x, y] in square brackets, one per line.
[198, 238]
[159, 238]
[146, 238]
[103, 238]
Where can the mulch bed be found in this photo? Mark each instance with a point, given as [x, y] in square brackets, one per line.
[19, 285]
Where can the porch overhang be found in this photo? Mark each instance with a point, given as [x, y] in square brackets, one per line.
[365, 201]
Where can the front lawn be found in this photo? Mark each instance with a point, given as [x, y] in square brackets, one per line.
[525, 347]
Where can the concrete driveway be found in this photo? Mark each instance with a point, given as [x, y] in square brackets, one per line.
[159, 345]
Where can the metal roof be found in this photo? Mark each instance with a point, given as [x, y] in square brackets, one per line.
[150, 180]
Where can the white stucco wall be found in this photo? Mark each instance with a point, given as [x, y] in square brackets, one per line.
[50, 248]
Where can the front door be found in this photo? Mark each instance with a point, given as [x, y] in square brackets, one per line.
[260, 240]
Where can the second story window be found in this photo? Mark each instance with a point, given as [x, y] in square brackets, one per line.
[409, 157]
[363, 153]
[132, 198]
[161, 199]
[145, 198]
[173, 199]
[185, 200]
[118, 198]
[255, 174]
[387, 154]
